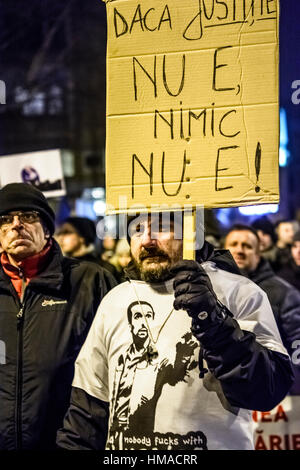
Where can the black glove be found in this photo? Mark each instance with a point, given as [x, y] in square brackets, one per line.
[194, 293]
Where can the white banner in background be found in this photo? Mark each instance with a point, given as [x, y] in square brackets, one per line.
[278, 429]
[42, 169]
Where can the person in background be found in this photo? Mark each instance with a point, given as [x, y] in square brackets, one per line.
[285, 230]
[291, 270]
[212, 228]
[108, 247]
[243, 243]
[121, 258]
[76, 237]
[202, 313]
[47, 305]
[267, 238]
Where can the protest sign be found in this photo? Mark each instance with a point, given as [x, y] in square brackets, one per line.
[192, 103]
[278, 429]
[42, 169]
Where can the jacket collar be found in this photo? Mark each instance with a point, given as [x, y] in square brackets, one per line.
[262, 272]
[51, 275]
[29, 267]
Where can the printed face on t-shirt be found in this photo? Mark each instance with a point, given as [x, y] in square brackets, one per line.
[140, 321]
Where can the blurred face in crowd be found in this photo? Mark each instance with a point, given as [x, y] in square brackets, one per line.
[244, 247]
[154, 248]
[285, 232]
[109, 243]
[124, 259]
[265, 240]
[68, 239]
[22, 234]
[295, 250]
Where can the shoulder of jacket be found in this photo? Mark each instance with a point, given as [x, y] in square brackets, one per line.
[213, 270]
[75, 263]
[227, 282]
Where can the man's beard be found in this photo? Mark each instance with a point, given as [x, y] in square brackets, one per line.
[158, 273]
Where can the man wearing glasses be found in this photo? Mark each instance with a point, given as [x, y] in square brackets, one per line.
[47, 304]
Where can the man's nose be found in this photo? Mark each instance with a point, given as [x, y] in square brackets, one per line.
[147, 239]
[16, 222]
[236, 250]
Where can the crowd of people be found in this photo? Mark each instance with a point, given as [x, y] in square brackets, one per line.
[133, 347]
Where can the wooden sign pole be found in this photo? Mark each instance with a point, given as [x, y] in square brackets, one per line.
[189, 234]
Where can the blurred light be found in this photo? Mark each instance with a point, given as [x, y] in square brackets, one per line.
[283, 156]
[99, 207]
[259, 210]
[284, 139]
[98, 193]
[94, 193]
[84, 208]
[224, 216]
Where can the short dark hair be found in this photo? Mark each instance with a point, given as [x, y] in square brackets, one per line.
[243, 228]
[137, 302]
[266, 226]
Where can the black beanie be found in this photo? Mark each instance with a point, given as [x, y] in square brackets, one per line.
[266, 226]
[84, 227]
[24, 196]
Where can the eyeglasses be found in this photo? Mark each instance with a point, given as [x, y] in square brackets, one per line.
[28, 217]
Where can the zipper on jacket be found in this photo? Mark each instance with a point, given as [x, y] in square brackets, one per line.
[19, 383]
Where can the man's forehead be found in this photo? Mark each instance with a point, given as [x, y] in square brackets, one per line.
[143, 308]
[166, 220]
[242, 235]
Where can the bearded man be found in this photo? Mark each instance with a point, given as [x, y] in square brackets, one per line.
[213, 345]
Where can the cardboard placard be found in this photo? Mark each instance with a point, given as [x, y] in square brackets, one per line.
[192, 103]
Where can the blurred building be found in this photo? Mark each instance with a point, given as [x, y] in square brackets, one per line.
[53, 63]
[52, 60]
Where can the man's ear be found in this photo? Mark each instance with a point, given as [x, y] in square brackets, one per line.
[82, 241]
[46, 232]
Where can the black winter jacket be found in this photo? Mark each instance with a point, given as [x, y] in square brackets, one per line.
[40, 342]
[291, 273]
[284, 300]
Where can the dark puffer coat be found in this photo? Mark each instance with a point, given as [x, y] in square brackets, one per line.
[38, 349]
[284, 300]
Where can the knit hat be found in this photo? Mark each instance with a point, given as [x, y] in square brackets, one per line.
[24, 196]
[84, 227]
[264, 224]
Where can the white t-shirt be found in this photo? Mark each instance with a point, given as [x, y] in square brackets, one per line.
[160, 402]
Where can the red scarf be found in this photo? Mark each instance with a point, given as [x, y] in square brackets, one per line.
[27, 269]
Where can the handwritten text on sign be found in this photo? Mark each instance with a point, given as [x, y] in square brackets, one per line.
[192, 102]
